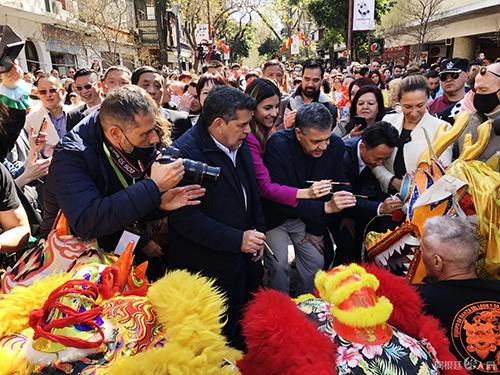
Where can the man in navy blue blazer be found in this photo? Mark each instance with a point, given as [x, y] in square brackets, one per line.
[361, 155]
[293, 157]
[223, 237]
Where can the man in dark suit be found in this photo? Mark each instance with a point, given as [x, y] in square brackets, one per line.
[361, 154]
[152, 81]
[88, 89]
[212, 53]
[294, 157]
[223, 237]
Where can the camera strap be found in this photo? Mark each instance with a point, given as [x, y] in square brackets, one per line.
[120, 163]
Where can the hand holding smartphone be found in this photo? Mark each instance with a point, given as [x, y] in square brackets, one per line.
[358, 120]
[42, 128]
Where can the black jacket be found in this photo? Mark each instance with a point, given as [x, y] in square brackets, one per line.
[180, 121]
[207, 237]
[74, 116]
[216, 55]
[286, 163]
[364, 184]
[10, 128]
[82, 183]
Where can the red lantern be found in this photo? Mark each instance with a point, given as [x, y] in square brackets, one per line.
[300, 35]
[290, 41]
[283, 49]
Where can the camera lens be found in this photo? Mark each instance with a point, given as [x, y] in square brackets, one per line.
[199, 172]
[211, 174]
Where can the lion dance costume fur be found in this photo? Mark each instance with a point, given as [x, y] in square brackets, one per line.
[69, 308]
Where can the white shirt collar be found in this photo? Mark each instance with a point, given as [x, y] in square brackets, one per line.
[90, 110]
[232, 154]
[361, 163]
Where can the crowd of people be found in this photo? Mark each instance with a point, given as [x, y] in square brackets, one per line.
[307, 153]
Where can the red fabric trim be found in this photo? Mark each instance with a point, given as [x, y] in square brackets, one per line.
[39, 317]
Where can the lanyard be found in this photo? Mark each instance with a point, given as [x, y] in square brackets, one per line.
[115, 168]
[117, 160]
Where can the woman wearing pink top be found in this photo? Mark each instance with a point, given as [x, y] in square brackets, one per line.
[268, 97]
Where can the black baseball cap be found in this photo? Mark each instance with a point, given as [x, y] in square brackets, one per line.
[455, 65]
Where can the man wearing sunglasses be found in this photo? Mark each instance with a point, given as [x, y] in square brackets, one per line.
[487, 104]
[87, 88]
[453, 75]
[51, 94]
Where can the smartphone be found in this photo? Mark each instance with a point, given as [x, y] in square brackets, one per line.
[9, 55]
[358, 120]
[42, 128]
[43, 125]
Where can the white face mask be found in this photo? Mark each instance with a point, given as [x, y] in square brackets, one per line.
[176, 99]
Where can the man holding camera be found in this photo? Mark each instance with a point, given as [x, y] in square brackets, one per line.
[223, 236]
[103, 177]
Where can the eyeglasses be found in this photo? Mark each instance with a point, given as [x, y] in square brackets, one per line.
[445, 76]
[88, 86]
[45, 92]
[484, 69]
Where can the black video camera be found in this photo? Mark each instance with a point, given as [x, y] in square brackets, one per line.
[201, 50]
[195, 171]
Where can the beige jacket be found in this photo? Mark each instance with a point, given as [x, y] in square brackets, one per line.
[412, 149]
[34, 119]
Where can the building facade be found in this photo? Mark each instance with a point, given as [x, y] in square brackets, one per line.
[462, 28]
[58, 37]
[148, 37]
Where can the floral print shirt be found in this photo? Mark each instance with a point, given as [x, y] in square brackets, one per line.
[401, 355]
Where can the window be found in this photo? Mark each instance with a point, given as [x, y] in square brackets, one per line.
[31, 56]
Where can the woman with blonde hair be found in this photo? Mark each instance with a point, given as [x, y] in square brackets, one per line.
[392, 96]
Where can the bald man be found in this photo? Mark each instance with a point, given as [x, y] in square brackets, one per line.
[468, 307]
[487, 104]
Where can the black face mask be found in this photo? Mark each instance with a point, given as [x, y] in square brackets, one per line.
[138, 153]
[486, 103]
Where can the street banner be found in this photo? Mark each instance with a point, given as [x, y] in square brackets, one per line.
[226, 52]
[363, 15]
[201, 32]
[295, 50]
